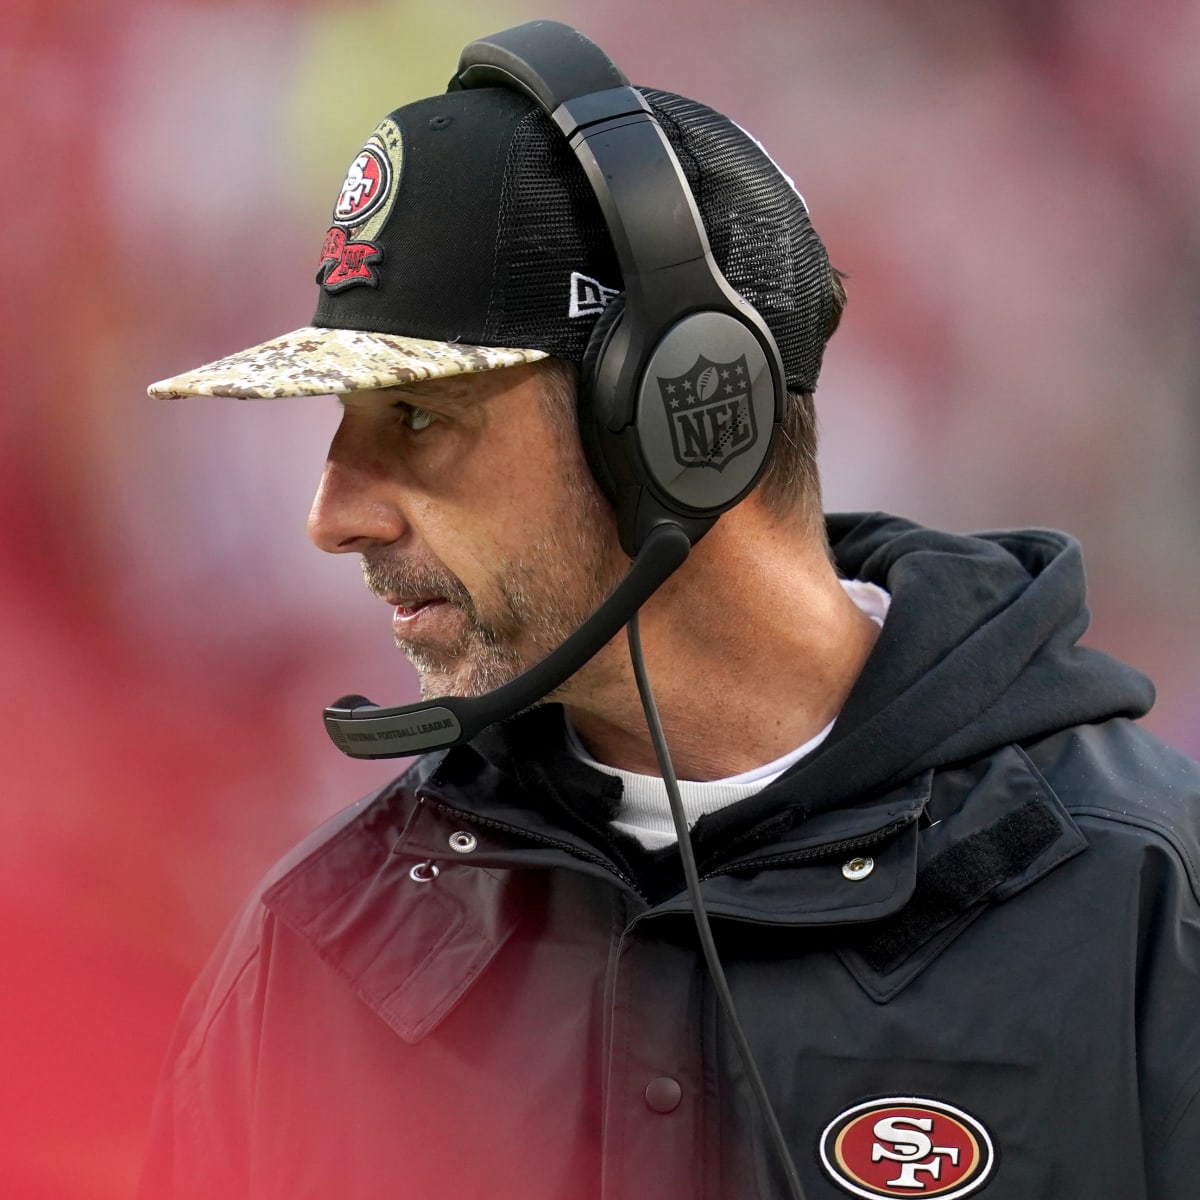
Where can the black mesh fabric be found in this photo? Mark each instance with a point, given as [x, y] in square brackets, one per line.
[550, 225]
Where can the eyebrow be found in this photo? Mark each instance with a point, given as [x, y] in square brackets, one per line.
[406, 394]
[412, 393]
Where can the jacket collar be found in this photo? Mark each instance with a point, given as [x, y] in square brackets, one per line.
[943, 848]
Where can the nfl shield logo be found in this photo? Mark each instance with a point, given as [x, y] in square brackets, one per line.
[709, 412]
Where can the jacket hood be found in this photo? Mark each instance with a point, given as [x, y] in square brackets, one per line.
[979, 650]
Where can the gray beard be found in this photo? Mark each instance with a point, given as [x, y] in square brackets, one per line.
[542, 599]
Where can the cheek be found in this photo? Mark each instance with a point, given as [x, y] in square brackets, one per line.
[473, 539]
[513, 495]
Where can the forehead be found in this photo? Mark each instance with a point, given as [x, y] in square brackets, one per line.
[472, 388]
[438, 393]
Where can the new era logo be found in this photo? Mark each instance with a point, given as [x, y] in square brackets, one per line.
[588, 296]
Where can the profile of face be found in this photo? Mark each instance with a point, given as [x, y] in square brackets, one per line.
[476, 517]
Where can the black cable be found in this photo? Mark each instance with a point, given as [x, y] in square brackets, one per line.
[691, 875]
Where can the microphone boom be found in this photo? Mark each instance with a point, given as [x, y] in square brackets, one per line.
[361, 729]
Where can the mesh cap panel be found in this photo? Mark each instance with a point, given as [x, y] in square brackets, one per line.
[550, 226]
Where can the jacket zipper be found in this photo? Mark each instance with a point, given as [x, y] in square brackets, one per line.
[813, 853]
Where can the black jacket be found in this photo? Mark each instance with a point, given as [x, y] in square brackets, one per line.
[963, 938]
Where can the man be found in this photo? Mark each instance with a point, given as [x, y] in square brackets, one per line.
[952, 887]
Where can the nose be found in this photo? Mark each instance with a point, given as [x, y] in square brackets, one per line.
[356, 506]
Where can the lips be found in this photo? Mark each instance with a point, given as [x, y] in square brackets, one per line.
[410, 608]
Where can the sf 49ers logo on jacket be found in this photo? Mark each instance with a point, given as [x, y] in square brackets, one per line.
[907, 1146]
[349, 255]
[709, 412]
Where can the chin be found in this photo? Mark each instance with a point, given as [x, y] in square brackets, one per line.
[470, 679]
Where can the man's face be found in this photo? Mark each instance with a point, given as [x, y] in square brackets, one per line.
[477, 519]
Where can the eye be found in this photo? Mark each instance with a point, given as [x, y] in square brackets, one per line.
[416, 418]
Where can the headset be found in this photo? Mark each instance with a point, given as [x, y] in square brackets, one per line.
[676, 308]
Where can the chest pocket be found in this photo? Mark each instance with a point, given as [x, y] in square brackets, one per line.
[409, 939]
[996, 828]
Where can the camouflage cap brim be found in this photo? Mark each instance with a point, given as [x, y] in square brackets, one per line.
[313, 361]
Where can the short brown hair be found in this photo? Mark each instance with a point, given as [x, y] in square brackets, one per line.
[791, 484]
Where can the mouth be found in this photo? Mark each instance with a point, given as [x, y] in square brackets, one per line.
[409, 608]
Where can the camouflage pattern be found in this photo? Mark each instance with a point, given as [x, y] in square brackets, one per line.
[316, 362]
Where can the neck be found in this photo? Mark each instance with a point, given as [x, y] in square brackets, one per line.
[751, 649]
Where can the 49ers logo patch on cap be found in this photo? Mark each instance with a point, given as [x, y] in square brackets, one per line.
[349, 254]
[365, 187]
[907, 1146]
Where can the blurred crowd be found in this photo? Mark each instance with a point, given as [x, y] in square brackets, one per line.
[1012, 186]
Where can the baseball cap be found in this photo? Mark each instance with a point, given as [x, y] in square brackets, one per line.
[466, 237]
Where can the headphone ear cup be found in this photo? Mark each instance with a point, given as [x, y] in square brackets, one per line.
[591, 433]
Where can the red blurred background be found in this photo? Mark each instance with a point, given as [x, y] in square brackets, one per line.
[1012, 186]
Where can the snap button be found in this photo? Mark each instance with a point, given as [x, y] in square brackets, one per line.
[463, 842]
[424, 872]
[858, 868]
[663, 1095]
